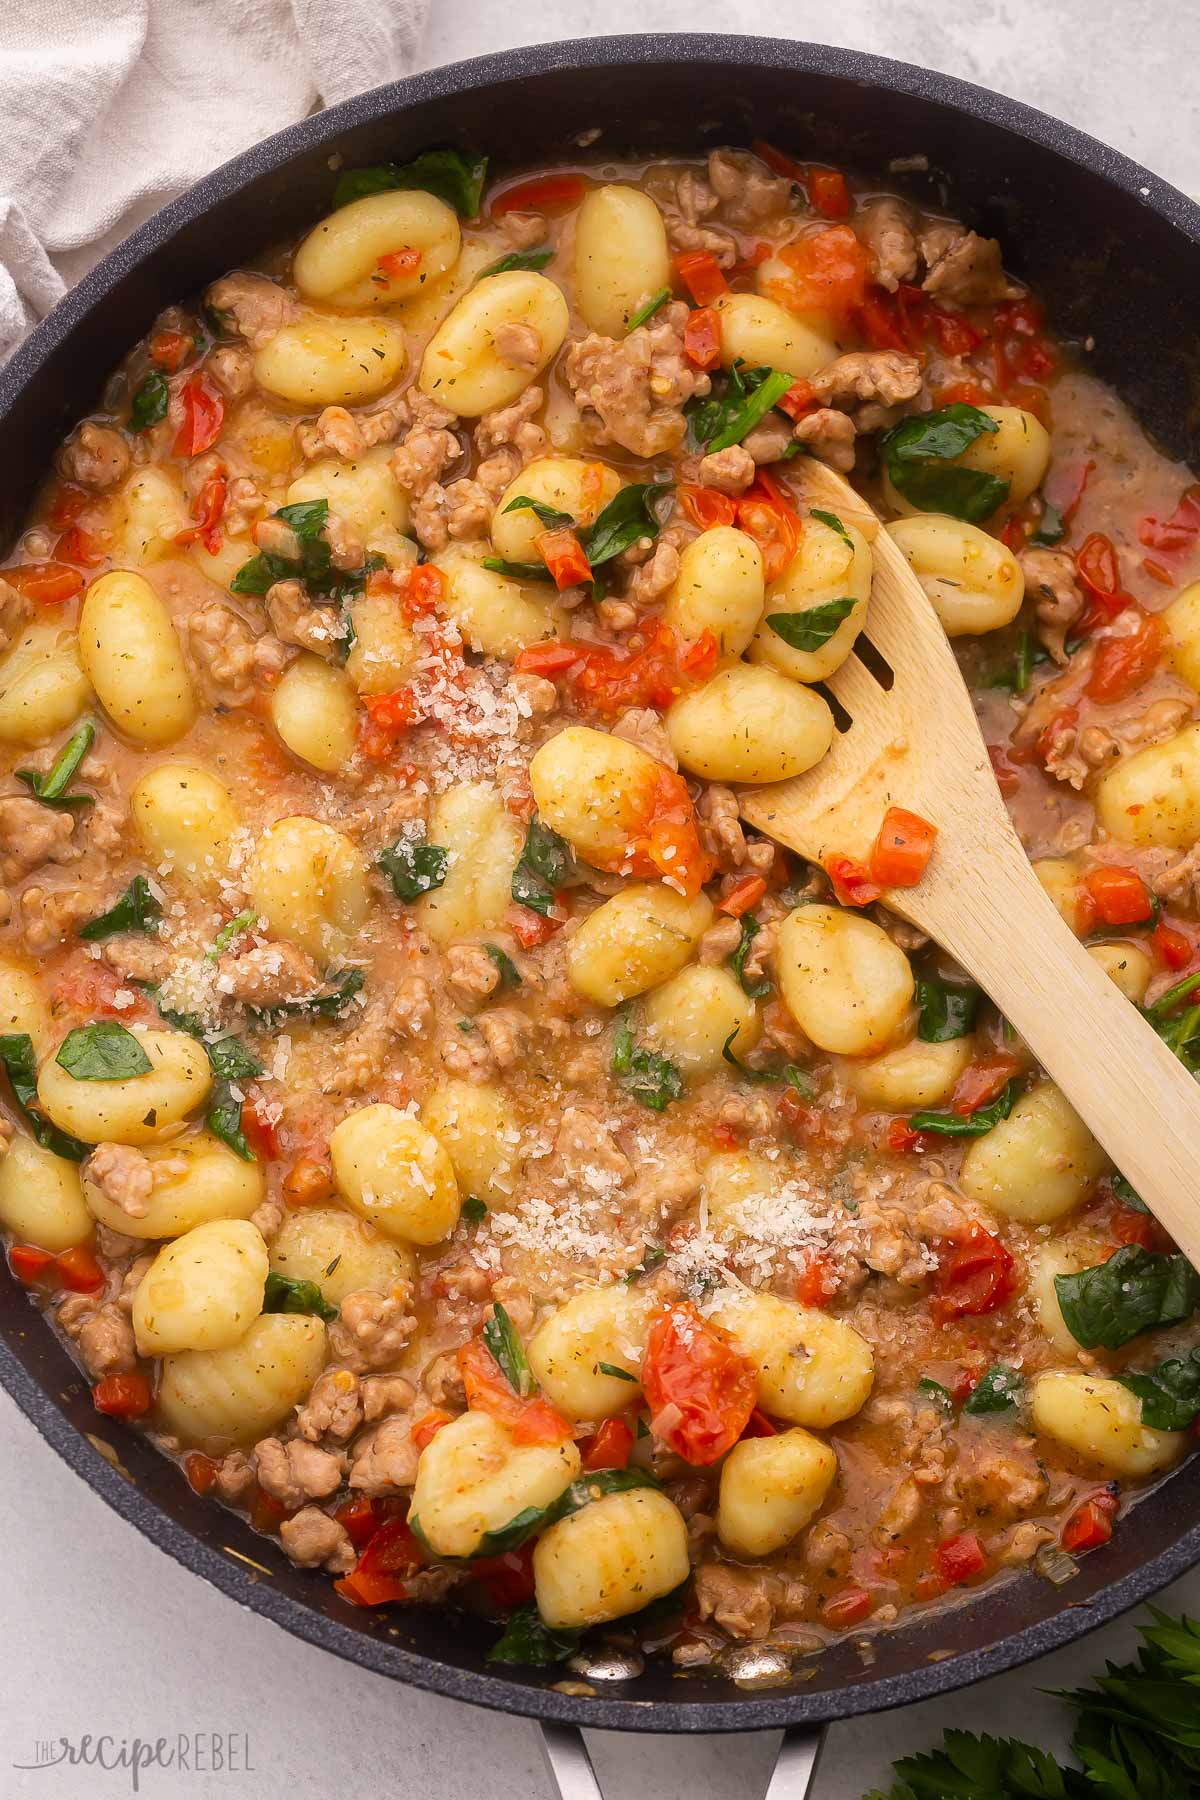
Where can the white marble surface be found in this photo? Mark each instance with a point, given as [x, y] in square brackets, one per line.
[104, 1634]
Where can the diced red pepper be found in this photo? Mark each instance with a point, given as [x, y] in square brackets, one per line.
[786, 166]
[742, 896]
[29, 1264]
[200, 1470]
[530, 1418]
[828, 193]
[544, 193]
[982, 1081]
[1180, 532]
[1171, 946]
[1120, 896]
[847, 1608]
[976, 1275]
[547, 659]
[506, 1580]
[759, 1426]
[83, 548]
[700, 1388]
[392, 1553]
[266, 1512]
[702, 276]
[428, 1426]
[260, 1131]
[706, 506]
[122, 1396]
[531, 928]
[170, 350]
[203, 417]
[852, 881]
[1091, 1524]
[79, 1270]
[1123, 663]
[45, 583]
[817, 1284]
[359, 1519]
[398, 263]
[902, 850]
[902, 1140]
[702, 338]
[608, 1448]
[800, 398]
[386, 718]
[564, 556]
[960, 1559]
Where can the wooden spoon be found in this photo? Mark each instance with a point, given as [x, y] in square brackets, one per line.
[917, 744]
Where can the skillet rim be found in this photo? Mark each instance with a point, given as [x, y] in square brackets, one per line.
[798, 1707]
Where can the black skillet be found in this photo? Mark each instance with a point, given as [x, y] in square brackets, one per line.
[1113, 250]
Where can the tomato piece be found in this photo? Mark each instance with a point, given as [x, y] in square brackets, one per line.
[386, 719]
[959, 1559]
[1091, 1524]
[828, 193]
[1170, 946]
[203, 417]
[902, 850]
[766, 512]
[817, 1283]
[79, 1270]
[1179, 533]
[609, 1447]
[401, 262]
[1123, 663]
[781, 164]
[976, 1275]
[652, 671]
[1051, 738]
[882, 323]
[847, 1608]
[852, 881]
[29, 1264]
[377, 1577]
[208, 512]
[700, 1388]
[902, 1140]
[1120, 896]
[506, 1580]
[759, 1426]
[428, 1426]
[259, 1129]
[983, 1081]
[702, 276]
[547, 659]
[84, 548]
[954, 331]
[545, 193]
[828, 271]
[964, 393]
[45, 583]
[531, 1419]
[702, 338]
[1008, 779]
[1064, 488]
[1099, 570]
[170, 350]
[122, 1396]
[200, 1470]
[742, 896]
[1131, 1227]
[800, 398]
[564, 556]
[531, 928]
[706, 506]
[671, 844]
[66, 504]
[359, 1519]
[799, 1118]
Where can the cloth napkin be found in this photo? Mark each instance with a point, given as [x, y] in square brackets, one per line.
[111, 108]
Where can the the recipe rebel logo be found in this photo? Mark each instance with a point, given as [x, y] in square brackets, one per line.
[222, 1753]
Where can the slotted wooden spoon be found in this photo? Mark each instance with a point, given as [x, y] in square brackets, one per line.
[918, 745]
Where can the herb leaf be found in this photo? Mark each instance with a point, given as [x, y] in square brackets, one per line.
[1133, 1291]
[580, 1494]
[748, 398]
[551, 516]
[626, 520]
[947, 1010]
[649, 309]
[976, 1124]
[517, 259]
[503, 1340]
[546, 864]
[20, 1065]
[833, 522]
[997, 1390]
[617, 1373]
[454, 178]
[474, 1210]
[918, 455]
[815, 626]
[936, 1394]
[414, 867]
[742, 1068]
[510, 975]
[228, 933]
[737, 962]
[323, 1006]
[528, 1641]
[102, 1051]
[224, 1120]
[149, 404]
[649, 1078]
[1169, 1393]
[517, 571]
[283, 1295]
[1052, 529]
[51, 789]
[136, 910]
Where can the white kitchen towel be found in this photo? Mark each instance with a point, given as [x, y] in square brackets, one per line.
[111, 108]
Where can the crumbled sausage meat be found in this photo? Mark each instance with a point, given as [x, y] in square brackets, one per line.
[372, 1330]
[748, 194]
[869, 385]
[298, 621]
[513, 425]
[964, 267]
[124, 1175]
[655, 577]
[384, 1394]
[829, 436]
[471, 975]
[642, 726]
[230, 660]
[48, 916]
[885, 227]
[1050, 576]
[32, 835]
[256, 308]
[519, 344]
[421, 458]
[296, 1471]
[269, 975]
[337, 432]
[314, 1540]
[106, 1342]
[334, 1408]
[96, 457]
[389, 1460]
[463, 510]
[746, 1602]
[633, 392]
[729, 471]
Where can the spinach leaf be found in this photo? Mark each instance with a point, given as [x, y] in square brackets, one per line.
[815, 626]
[918, 453]
[231, 1060]
[149, 404]
[580, 1494]
[617, 1373]
[976, 1124]
[474, 1210]
[1169, 1393]
[313, 566]
[228, 933]
[1124, 1192]
[936, 1394]
[649, 1078]
[833, 522]
[801, 1080]
[739, 420]
[136, 910]
[454, 178]
[510, 975]
[1052, 529]
[550, 516]
[102, 1051]
[20, 1065]
[324, 1006]
[1179, 1026]
[528, 1641]
[517, 571]
[283, 1295]
[224, 1120]
[517, 259]
[742, 1068]
[1133, 1291]
[652, 1256]
[51, 789]
[997, 1390]
[546, 864]
[946, 1010]
[414, 867]
[1016, 679]
[737, 962]
[503, 1340]
[649, 309]
[626, 520]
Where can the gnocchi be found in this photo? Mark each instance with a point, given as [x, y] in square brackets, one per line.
[203, 1292]
[315, 711]
[473, 1479]
[565, 483]
[974, 581]
[43, 688]
[395, 1174]
[639, 938]
[196, 1179]
[770, 1488]
[1101, 1422]
[330, 359]
[1037, 1164]
[1153, 797]
[843, 980]
[831, 568]
[612, 1557]
[699, 1018]
[719, 589]
[812, 1369]
[237, 1395]
[309, 882]
[130, 653]
[484, 841]
[621, 256]
[379, 250]
[186, 821]
[749, 724]
[574, 1351]
[342, 1254]
[500, 335]
[41, 1200]
[138, 1108]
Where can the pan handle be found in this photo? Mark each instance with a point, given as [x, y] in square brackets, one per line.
[574, 1778]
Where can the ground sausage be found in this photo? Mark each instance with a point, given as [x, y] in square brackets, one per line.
[313, 1540]
[96, 457]
[296, 1471]
[257, 309]
[633, 392]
